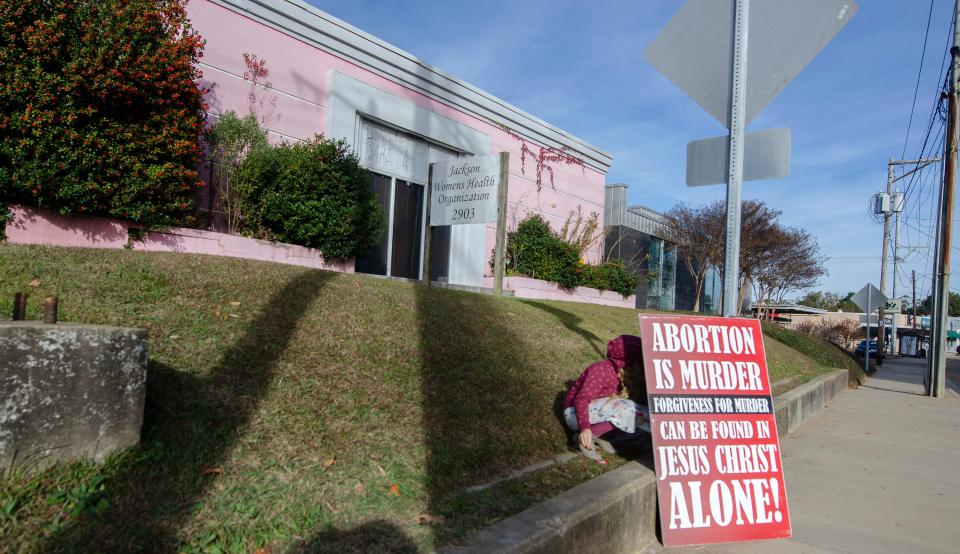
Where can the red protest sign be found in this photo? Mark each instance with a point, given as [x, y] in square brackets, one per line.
[715, 444]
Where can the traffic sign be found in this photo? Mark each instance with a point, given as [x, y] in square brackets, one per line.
[695, 48]
[704, 51]
[766, 155]
[869, 298]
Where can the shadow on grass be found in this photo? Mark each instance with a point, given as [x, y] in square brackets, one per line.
[374, 536]
[191, 423]
[480, 408]
[572, 322]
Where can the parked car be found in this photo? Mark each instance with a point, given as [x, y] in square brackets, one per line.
[863, 346]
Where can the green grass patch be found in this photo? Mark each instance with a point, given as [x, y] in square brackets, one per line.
[826, 354]
[300, 410]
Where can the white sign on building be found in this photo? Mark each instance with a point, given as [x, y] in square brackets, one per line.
[465, 191]
[387, 151]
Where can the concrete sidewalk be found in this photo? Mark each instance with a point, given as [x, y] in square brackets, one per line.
[877, 471]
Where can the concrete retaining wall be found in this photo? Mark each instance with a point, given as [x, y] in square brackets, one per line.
[69, 391]
[795, 406]
[616, 512]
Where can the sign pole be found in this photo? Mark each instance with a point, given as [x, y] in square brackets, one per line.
[738, 94]
[425, 278]
[498, 260]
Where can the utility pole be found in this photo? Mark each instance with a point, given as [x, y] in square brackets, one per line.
[892, 203]
[896, 200]
[881, 325]
[913, 279]
[941, 272]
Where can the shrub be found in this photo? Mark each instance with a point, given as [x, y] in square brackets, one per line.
[826, 354]
[804, 327]
[535, 250]
[610, 276]
[99, 109]
[5, 216]
[311, 193]
[230, 140]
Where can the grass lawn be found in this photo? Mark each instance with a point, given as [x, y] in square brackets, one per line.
[300, 410]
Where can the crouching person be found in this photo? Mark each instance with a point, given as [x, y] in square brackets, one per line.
[597, 403]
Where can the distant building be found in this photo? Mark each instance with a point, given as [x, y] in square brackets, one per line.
[636, 235]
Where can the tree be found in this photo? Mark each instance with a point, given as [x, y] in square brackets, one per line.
[822, 300]
[229, 140]
[830, 301]
[787, 262]
[698, 234]
[773, 259]
[760, 239]
[846, 303]
[953, 309]
[100, 112]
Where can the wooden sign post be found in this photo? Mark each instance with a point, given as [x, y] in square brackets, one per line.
[500, 252]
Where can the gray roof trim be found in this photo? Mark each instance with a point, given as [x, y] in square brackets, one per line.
[313, 26]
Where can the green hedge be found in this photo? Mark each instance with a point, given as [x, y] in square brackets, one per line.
[311, 193]
[535, 250]
[610, 276]
[826, 355]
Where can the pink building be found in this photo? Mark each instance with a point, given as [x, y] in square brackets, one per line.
[399, 115]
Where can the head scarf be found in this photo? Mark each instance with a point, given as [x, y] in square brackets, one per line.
[622, 350]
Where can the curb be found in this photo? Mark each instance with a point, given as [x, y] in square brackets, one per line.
[795, 406]
[617, 511]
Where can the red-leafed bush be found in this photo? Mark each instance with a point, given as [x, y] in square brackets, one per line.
[100, 111]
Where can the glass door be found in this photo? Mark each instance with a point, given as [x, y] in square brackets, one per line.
[376, 261]
[399, 251]
[406, 229]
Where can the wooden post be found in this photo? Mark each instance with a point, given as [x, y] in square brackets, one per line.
[425, 278]
[498, 261]
[20, 306]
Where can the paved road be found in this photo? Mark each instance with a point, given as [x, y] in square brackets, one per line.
[877, 471]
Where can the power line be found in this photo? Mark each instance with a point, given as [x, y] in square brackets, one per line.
[916, 89]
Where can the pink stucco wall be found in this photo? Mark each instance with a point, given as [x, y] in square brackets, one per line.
[33, 226]
[535, 289]
[300, 75]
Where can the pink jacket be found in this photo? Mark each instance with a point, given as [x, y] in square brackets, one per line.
[600, 379]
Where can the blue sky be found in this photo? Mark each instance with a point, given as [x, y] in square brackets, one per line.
[579, 66]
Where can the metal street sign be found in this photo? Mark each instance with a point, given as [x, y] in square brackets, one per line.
[869, 298]
[766, 155]
[695, 48]
[892, 306]
[704, 51]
